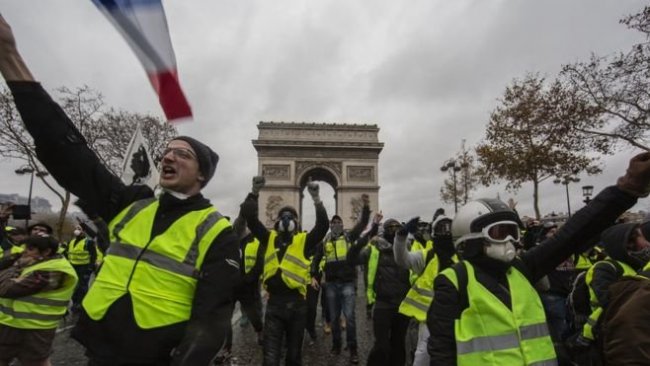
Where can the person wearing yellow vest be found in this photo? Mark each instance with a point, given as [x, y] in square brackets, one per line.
[627, 252]
[35, 289]
[388, 284]
[82, 254]
[625, 325]
[341, 278]
[12, 240]
[285, 275]
[421, 237]
[426, 264]
[164, 293]
[485, 310]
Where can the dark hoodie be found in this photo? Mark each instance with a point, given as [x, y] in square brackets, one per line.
[391, 281]
[614, 241]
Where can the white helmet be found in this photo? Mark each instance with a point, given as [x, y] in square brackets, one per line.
[476, 219]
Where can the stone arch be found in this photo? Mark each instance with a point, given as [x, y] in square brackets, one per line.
[343, 155]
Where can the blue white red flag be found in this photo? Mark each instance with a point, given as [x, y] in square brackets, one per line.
[144, 26]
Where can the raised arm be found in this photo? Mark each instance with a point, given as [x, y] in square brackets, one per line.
[363, 220]
[599, 214]
[250, 212]
[410, 260]
[60, 147]
[321, 226]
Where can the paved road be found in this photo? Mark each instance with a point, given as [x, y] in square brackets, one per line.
[68, 352]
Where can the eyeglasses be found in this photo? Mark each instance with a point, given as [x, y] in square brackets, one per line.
[179, 152]
[498, 232]
[443, 228]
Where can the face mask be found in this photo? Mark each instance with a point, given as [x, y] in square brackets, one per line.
[77, 232]
[286, 225]
[642, 255]
[504, 252]
[336, 229]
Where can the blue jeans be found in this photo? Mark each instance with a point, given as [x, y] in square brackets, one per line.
[340, 299]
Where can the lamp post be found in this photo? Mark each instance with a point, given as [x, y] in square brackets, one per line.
[26, 169]
[587, 191]
[565, 180]
[452, 166]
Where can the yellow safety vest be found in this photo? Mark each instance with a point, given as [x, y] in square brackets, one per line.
[373, 260]
[15, 249]
[294, 266]
[488, 333]
[77, 253]
[336, 251]
[583, 262]
[42, 310]
[250, 254]
[416, 245]
[596, 309]
[419, 298]
[160, 273]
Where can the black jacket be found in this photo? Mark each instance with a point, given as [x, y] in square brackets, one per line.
[341, 270]
[275, 286]
[391, 281]
[116, 338]
[573, 237]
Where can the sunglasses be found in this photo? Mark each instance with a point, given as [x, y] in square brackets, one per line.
[180, 152]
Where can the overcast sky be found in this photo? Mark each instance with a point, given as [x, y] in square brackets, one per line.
[427, 72]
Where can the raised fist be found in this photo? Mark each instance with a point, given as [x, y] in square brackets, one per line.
[365, 199]
[313, 189]
[258, 183]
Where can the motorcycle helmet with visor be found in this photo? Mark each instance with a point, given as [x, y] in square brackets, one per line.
[488, 219]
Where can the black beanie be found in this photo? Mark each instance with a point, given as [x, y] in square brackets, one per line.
[207, 158]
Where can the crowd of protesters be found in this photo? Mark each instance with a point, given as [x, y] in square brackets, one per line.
[480, 288]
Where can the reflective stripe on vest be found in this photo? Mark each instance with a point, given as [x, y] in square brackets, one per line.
[418, 299]
[160, 273]
[42, 310]
[336, 251]
[250, 254]
[596, 309]
[77, 252]
[373, 260]
[294, 266]
[488, 333]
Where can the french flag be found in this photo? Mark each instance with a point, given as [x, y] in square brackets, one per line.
[144, 26]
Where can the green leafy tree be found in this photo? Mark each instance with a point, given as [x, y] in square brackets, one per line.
[528, 136]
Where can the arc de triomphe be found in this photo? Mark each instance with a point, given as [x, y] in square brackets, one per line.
[344, 155]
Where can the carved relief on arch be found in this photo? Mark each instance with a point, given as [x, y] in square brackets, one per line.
[361, 173]
[302, 166]
[276, 171]
[273, 205]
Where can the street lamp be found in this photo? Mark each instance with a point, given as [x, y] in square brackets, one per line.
[565, 180]
[453, 167]
[587, 191]
[26, 169]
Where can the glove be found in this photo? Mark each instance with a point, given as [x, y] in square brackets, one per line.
[313, 188]
[412, 225]
[248, 210]
[258, 183]
[636, 180]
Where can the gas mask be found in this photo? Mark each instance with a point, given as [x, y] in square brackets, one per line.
[76, 232]
[500, 238]
[286, 224]
[336, 228]
[504, 252]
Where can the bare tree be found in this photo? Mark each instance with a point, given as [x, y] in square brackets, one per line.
[463, 165]
[619, 87]
[528, 137]
[107, 131]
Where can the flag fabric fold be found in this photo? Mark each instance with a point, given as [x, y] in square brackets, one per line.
[143, 25]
